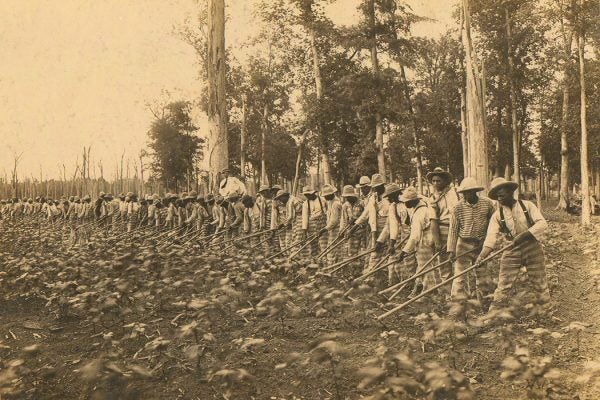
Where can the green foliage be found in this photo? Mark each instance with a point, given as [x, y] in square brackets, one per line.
[175, 147]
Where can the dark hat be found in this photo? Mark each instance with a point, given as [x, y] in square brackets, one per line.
[439, 172]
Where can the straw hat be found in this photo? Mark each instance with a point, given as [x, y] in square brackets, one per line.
[499, 183]
[364, 181]
[328, 190]
[410, 193]
[469, 183]
[308, 190]
[439, 172]
[377, 180]
[392, 188]
[280, 194]
[263, 188]
[348, 191]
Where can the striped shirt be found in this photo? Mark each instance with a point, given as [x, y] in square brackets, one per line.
[469, 221]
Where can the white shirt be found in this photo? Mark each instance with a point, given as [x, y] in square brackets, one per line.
[230, 185]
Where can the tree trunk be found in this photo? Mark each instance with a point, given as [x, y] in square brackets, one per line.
[415, 126]
[243, 137]
[586, 216]
[516, 141]
[564, 144]
[218, 158]
[263, 141]
[319, 92]
[375, 66]
[477, 146]
[298, 162]
[463, 104]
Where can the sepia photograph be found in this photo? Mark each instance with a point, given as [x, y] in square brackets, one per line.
[299, 199]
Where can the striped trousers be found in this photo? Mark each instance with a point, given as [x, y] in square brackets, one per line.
[483, 281]
[531, 256]
[424, 254]
[399, 271]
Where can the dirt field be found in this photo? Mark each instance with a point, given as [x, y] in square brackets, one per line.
[131, 321]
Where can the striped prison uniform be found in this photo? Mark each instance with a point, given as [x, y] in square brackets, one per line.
[529, 255]
[419, 239]
[133, 210]
[251, 224]
[288, 214]
[442, 206]
[375, 214]
[334, 211]
[313, 219]
[356, 242]
[398, 228]
[468, 227]
[265, 216]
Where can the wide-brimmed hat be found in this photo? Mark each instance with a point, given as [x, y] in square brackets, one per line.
[377, 180]
[437, 171]
[328, 190]
[280, 194]
[276, 188]
[308, 190]
[101, 194]
[129, 194]
[348, 191]
[233, 195]
[468, 184]
[192, 195]
[391, 189]
[364, 181]
[408, 194]
[499, 183]
[263, 188]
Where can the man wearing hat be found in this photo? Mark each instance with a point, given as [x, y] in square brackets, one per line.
[251, 218]
[314, 214]
[230, 184]
[286, 218]
[264, 203]
[521, 222]
[85, 215]
[332, 222]
[375, 215]
[419, 238]
[133, 211]
[443, 200]
[468, 227]
[235, 215]
[364, 185]
[352, 208]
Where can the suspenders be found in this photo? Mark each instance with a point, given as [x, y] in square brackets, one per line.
[504, 229]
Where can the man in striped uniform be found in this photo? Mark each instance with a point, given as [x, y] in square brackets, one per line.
[419, 238]
[521, 222]
[375, 215]
[313, 219]
[328, 234]
[351, 211]
[286, 217]
[443, 200]
[468, 227]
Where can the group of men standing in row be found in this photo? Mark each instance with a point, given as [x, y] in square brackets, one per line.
[454, 224]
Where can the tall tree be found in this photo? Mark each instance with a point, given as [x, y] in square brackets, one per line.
[218, 156]
[586, 219]
[566, 34]
[175, 147]
[477, 140]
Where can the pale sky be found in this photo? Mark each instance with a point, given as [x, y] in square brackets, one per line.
[76, 73]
